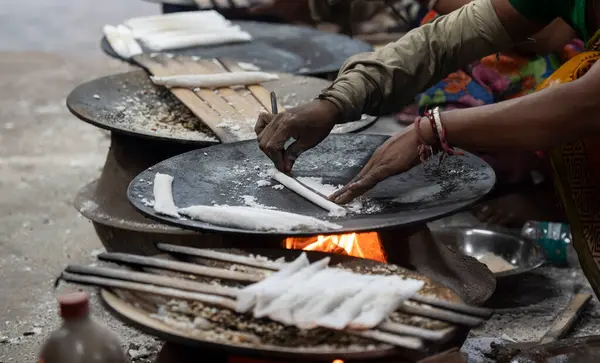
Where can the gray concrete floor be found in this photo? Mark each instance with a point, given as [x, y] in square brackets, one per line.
[46, 155]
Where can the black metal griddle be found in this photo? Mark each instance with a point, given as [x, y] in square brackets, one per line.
[280, 48]
[100, 102]
[223, 174]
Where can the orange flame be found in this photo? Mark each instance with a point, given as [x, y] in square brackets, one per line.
[363, 245]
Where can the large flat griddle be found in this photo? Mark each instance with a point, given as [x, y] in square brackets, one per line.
[224, 174]
[129, 103]
[280, 48]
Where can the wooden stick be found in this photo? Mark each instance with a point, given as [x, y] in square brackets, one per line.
[150, 289]
[223, 302]
[154, 279]
[220, 256]
[259, 92]
[228, 257]
[396, 340]
[159, 66]
[459, 308]
[443, 315]
[566, 319]
[429, 312]
[129, 259]
[415, 331]
[187, 285]
[192, 286]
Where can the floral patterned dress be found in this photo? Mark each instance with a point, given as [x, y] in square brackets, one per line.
[494, 79]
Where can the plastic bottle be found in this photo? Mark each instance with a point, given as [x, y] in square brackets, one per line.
[81, 339]
[555, 239]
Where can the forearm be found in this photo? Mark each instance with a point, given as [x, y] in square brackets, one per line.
[538, 121]
[384, 81]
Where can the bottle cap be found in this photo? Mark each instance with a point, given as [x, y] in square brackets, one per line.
[74, 305]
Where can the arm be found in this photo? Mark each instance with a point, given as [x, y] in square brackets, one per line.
[537, 121]
[385, 80]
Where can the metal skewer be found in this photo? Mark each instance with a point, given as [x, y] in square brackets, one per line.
[270, 265]
[153, 281]
[274, 103]
[420, 310]
[389, 332]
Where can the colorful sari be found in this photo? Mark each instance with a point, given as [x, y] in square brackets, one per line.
[494, 79]
[576, 167]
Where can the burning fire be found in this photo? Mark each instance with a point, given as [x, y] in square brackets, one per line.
[363, 245]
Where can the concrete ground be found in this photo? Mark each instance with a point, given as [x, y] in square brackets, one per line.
[46, 155]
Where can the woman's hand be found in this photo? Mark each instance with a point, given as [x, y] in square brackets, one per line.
[308, 124]
[395, 156]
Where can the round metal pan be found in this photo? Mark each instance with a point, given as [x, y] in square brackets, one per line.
[134, 310]
[280, 48]
[228, 174]
[525, 255]
[129, 103]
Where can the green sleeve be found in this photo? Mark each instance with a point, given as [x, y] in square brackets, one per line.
[545, 11]
[541, 11]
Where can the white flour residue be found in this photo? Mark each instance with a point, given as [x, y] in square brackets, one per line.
[251, 201]
[263, 183]
[316, 184]
[147, 202]
[277, 187]
[419, 194]
[360, 205]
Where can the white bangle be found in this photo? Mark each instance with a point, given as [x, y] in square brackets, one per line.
[432, 4]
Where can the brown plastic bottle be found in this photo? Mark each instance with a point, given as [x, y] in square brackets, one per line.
[81, 339]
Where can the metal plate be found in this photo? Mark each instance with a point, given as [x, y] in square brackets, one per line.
[131, 104]
[225, 173]
[524, 255]
[280, 48]
[132, 308]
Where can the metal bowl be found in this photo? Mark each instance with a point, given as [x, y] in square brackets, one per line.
[525, 255]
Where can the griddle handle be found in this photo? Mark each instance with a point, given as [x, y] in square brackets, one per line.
[274, 103]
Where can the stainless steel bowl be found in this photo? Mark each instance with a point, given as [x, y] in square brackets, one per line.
[523, 254]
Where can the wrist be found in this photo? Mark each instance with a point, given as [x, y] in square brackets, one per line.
[331, 110]
[426, 131]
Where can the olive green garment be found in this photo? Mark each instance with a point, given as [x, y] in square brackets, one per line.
[544, 11]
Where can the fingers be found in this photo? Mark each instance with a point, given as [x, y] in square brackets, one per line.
[272, 141]
[291, 154]
[362, 185]
[364, 171]
[264, 119]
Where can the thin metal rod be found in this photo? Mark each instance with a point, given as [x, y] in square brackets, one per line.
[274, 110]
[443, 315]
[459, 308]
[192, 286]
[190, 268]
[154, 279]
[220, 256]
[270, 265]
[150, 289]
[396, 340]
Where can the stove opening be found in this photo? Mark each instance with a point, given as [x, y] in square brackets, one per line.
[363, 245]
